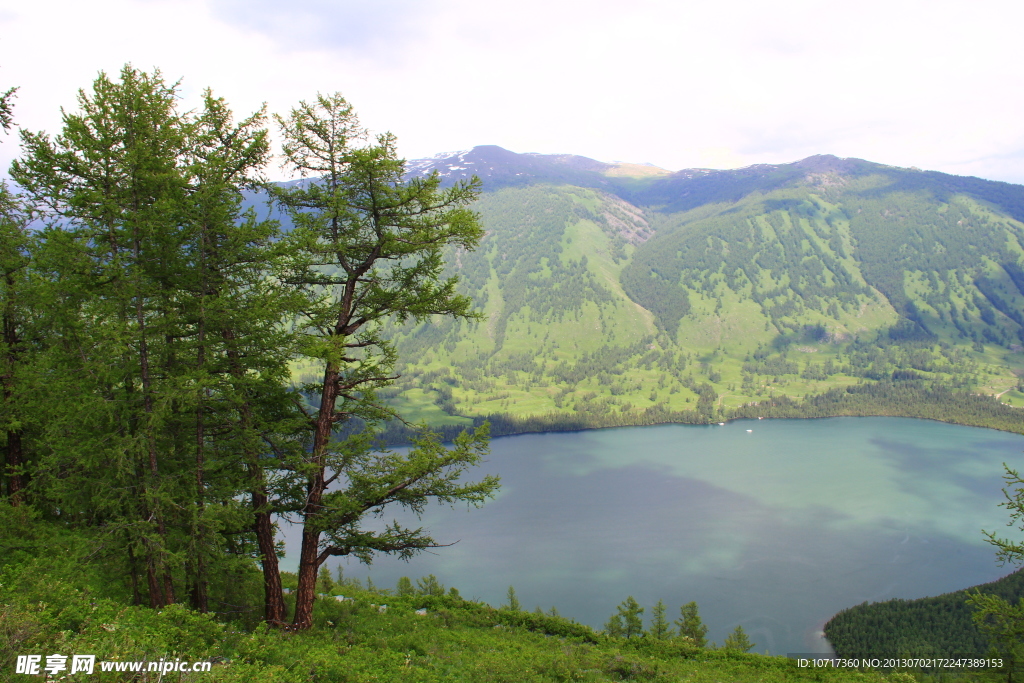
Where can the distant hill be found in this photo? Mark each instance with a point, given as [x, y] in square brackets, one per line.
[625, 294]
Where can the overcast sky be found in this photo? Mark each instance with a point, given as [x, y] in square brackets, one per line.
[679, 84]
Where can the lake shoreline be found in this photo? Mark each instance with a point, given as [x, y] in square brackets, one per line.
[873, 400]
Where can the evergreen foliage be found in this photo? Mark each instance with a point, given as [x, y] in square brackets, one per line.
[404, 587]
[513, 601]
[738, 640]
[20, 349]
[660, 627]
[1002, 625]
[148, 259]
[7, 108]
[998, 619]
[185, 448]
[1008, 550]
[691, 627]
[627, 621]
[934, 626]
[429, 585]
[366, 250]
[324, 581]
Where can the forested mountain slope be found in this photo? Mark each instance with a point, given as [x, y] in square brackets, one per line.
[624, 294]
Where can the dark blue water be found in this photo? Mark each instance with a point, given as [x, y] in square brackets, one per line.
[776, 528]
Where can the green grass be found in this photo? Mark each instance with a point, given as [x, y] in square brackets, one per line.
[417, 405]
[454, 641]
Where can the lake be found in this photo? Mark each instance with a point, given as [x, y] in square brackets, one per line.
[772, 524]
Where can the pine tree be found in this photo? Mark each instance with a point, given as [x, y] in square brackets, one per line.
[738, 640]
[627, 621]
[690, 625]
[614, 626]
[367, 250]
[241, 351]
[15, 303]
[1000, 620]
[660, 628]
[115, 176]
[404, 587]
[154, 263]
[21, 326]
[513, 601]
[429, 585]
[325, 582]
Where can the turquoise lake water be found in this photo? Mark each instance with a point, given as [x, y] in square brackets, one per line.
[772, 524]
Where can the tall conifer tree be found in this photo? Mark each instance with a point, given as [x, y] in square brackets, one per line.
[660, 628]
[237, 341]
[16, 306]
[368, 252]
[113, 176]
[691, 627]
[20, 306]
[627, 622]
[158, 266]
[738, 640]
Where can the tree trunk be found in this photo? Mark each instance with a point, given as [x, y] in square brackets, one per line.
[14, 464]
[15, 456]
[308, 567]
[158, 555]
[273, 596]
[199, 589]
[156, 598]
[309, 554]
[133, 571]
[263, 526]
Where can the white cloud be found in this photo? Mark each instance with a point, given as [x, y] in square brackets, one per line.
[931, 84]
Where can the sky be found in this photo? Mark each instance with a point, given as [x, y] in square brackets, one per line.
[675, 83]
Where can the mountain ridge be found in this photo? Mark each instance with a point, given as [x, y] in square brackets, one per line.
[499, 167]
[704, 293]
[492, 162]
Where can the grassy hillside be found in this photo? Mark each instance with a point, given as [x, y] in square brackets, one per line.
[66, 602]
[703, 294]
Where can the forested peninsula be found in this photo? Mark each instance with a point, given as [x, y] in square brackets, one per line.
[943, 625]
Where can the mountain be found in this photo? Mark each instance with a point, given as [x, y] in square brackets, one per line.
[499, 167]
[627, 294]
